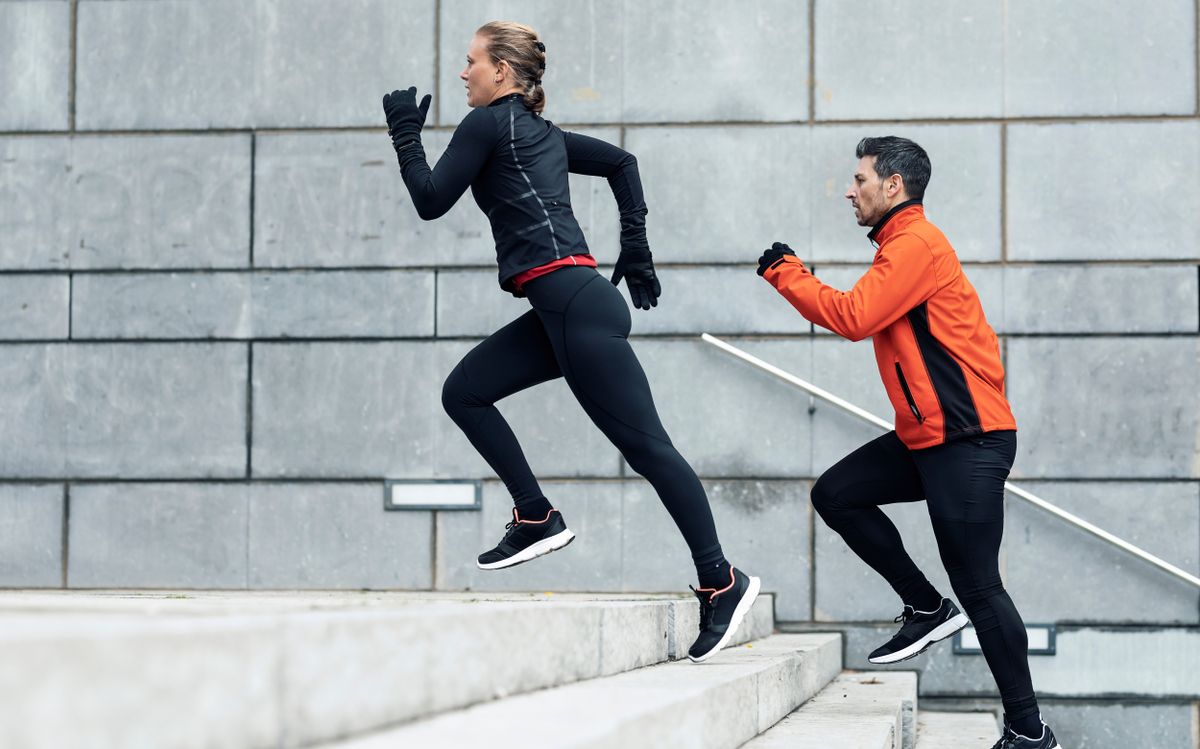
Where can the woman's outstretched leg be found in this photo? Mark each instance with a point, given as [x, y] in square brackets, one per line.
[588, 324]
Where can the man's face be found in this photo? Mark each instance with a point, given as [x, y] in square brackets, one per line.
[868, 193]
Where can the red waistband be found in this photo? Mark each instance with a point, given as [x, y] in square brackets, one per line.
[526, 276]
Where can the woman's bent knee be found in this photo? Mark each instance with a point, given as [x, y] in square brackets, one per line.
[822, 496]
[456, 393]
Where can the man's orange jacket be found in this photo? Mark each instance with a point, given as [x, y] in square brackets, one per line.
[938, 357]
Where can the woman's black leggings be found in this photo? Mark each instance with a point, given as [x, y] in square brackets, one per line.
[578, 329]
[963, 484]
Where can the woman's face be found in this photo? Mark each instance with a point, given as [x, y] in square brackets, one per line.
[483, 79]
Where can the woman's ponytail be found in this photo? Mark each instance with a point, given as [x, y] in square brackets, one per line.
[519, 46]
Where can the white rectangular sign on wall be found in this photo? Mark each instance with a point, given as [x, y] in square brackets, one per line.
[403, 494]
[1041, 640]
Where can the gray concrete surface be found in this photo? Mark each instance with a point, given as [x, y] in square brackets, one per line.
[137, 72]
[1090, 299]
[134, 411]
[197, 669]
[31, 535]
[305, 304]
[1147, 427]
[1041, 228]
[1104, 724]
[35, 58]
[125, 201]
[721, 703]
[1148, 43]
[621, 62]
[855, 711]
[929, 88]
[34, 307]
[160, 189]
[943, 730]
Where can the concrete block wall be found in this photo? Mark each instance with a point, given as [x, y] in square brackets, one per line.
[223, 326]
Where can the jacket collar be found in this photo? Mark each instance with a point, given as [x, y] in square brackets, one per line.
[505, 98]
[896, 219]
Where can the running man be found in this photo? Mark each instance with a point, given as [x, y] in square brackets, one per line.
[955, 437]
[516, 164]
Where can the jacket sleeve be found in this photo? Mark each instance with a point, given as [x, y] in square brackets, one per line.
[901, 278]
[596, 158]
[435, 191]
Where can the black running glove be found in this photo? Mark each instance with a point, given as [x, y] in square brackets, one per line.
[638, 272]
[773, 256]
[404, 117]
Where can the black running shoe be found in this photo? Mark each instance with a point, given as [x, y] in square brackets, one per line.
[527, 539]
[919, 630]
[1013, 740]
[721, 612]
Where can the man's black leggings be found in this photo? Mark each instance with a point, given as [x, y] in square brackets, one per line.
[578, 329]
[963, 484]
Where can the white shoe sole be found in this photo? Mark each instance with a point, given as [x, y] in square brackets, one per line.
[739, 613]
[533, 551]
[912, 651]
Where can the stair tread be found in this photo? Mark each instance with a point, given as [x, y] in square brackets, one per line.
[855, 711]
[719, 703]
[237, 669]
[946, 730]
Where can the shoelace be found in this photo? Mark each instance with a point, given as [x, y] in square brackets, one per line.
[706, 609]
[1008, 739]
[903, 620]
[511, 528]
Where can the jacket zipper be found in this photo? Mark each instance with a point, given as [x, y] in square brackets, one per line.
[908, 395]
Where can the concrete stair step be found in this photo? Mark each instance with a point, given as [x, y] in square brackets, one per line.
[957, 731]
[856, 711]
[262, 669]
[720, 703]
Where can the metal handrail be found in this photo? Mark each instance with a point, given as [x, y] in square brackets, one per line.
[1033, 499]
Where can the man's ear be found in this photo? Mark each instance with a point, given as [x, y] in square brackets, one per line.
[895, 185]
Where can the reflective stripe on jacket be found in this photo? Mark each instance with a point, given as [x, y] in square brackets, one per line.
[937, 355]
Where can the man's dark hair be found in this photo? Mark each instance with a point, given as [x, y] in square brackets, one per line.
[898, 156]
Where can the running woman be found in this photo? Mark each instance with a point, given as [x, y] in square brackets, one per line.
[955, 437]
[516, 164]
